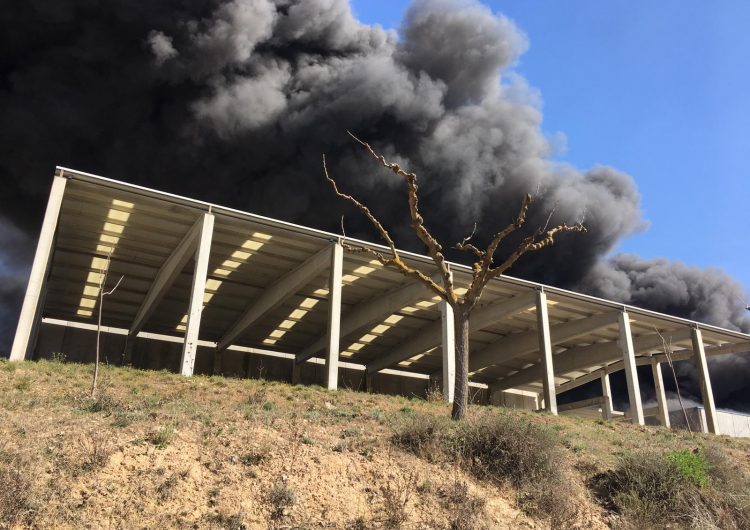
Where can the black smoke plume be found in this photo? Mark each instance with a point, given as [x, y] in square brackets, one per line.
[235, 101]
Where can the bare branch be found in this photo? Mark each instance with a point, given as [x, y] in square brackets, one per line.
[395, 260]
[466, 246]
[115, 287]
[434, 248]
[532, 244]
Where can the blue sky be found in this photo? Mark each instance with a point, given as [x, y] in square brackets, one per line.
[660, 90]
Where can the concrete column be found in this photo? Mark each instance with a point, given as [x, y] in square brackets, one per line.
[31, 310]
[707, 394]
[628, 356]
[369, 382]
[216, 369]
[661, 397]
[296, 372]
[607, 395]
[545, 351]
[190, 345]
[449, 350]
[334, 316]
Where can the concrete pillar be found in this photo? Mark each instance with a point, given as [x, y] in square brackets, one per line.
[628, 356]
[449, 350]
[334, 316]
[31, 310]
[699, 358]
[369, 382]
[545, 351]
[216, 369]
[661, 397]
[192, 331]
[296, 372]
[607, 395]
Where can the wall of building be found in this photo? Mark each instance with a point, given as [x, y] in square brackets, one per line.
[79, 345]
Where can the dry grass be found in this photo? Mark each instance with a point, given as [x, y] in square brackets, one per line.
[164, 451]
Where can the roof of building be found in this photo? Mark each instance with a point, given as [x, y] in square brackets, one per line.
[250, 252]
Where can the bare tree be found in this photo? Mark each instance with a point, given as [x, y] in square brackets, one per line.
[484, 268]
[103, 273]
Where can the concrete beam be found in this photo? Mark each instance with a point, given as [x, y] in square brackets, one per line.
[448, 335]
[333, 335]
[197, 292]
[545, 352]
[371, 312]
[275, 294]
[31, 308]
[430, 336]
[582, 404]
[527, 342]
[168, 273]
[631, 374]
[582, 357]
[707, 395]
[607, 407]
[661, 397]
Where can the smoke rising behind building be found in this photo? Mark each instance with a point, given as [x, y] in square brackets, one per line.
[234, 102]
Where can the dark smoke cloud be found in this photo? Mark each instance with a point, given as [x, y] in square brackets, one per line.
[235, 101]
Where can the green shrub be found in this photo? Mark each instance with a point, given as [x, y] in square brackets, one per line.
[692, 465]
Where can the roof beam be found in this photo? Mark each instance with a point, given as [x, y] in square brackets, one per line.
[582, 357]
[518, 344]
[430, 335]
[371, 312]
[276, 293]
[168, 273]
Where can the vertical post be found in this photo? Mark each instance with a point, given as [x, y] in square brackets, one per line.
[628, 356]
[607, 395]
[369, 382]
[449, 350]
[699, 358]
[334, 316]
[296, 372]
[190, 345]
[545, 350]
[31, 310]
[661, 397]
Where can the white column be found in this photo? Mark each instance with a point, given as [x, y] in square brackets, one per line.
[707, 394]
[661, 397]
[545, 351]
[607, 395]
[628, 356]
[30, 310]
[334, 316]
[190, 346]
[449, 350]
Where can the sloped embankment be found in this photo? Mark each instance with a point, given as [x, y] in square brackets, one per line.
[156, 450]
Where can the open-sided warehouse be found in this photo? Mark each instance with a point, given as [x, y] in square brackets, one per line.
[210, 289]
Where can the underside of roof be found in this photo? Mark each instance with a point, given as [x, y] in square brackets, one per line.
[387, 321]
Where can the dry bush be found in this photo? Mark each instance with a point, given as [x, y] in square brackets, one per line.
[508, 449]
[424, 435]
[467, 511]
[653, 490]
[394, 498]
[18, 502]
[279, 499]
[95, 451]
[503, 449]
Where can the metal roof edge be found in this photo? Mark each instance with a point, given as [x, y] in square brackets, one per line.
[314, 232]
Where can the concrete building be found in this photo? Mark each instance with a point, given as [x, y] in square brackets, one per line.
[209, 289]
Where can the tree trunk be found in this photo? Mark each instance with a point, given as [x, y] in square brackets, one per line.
[98, 338]
[461, 396]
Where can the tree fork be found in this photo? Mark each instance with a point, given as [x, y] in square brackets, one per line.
[483, 270]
